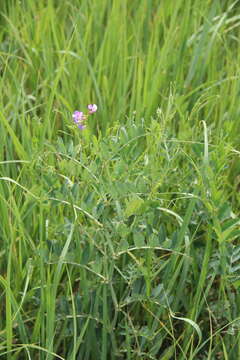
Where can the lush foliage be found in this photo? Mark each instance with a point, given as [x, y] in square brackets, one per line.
[120, 241]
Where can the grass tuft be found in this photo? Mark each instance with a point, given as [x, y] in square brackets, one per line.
[120, 241]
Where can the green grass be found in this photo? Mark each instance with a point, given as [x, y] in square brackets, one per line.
[120, 241]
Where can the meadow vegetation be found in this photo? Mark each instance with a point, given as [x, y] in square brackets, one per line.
[120, 241]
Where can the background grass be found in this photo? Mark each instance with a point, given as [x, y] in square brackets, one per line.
[121, 241]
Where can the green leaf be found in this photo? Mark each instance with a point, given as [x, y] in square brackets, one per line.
[139, 239]
[18, 146]
[134, 207]
[192, 323]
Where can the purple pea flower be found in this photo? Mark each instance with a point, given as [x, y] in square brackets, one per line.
[92, 108]
[79, 118]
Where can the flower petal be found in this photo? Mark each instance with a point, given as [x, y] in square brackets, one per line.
[77, 116]
[92, 108]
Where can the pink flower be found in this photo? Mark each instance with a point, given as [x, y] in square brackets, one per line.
[92, 108]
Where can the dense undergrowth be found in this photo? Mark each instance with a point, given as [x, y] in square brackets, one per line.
[120, 241]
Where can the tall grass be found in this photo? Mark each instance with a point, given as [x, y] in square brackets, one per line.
[120, 241]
